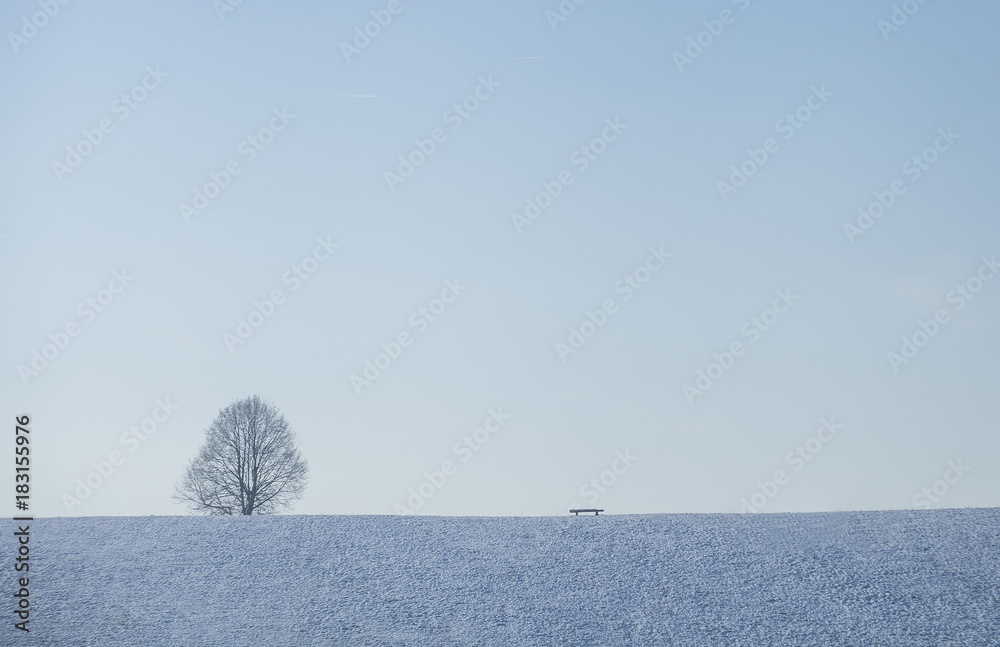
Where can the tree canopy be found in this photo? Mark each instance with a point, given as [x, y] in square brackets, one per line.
[249, 463]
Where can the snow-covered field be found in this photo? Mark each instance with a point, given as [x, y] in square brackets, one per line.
[859, 578]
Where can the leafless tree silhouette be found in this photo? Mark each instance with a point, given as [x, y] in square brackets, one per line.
[248, 465]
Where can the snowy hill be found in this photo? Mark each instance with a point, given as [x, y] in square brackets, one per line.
[860, 578]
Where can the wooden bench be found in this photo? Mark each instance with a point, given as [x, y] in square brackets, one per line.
[596, 511]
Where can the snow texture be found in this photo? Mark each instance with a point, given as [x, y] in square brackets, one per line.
[856, 578]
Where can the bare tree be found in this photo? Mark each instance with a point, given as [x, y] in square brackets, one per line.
[248, 465]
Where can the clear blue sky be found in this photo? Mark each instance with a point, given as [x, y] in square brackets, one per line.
[877, 100]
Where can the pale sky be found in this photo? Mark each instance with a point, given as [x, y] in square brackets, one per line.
[387, 198]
